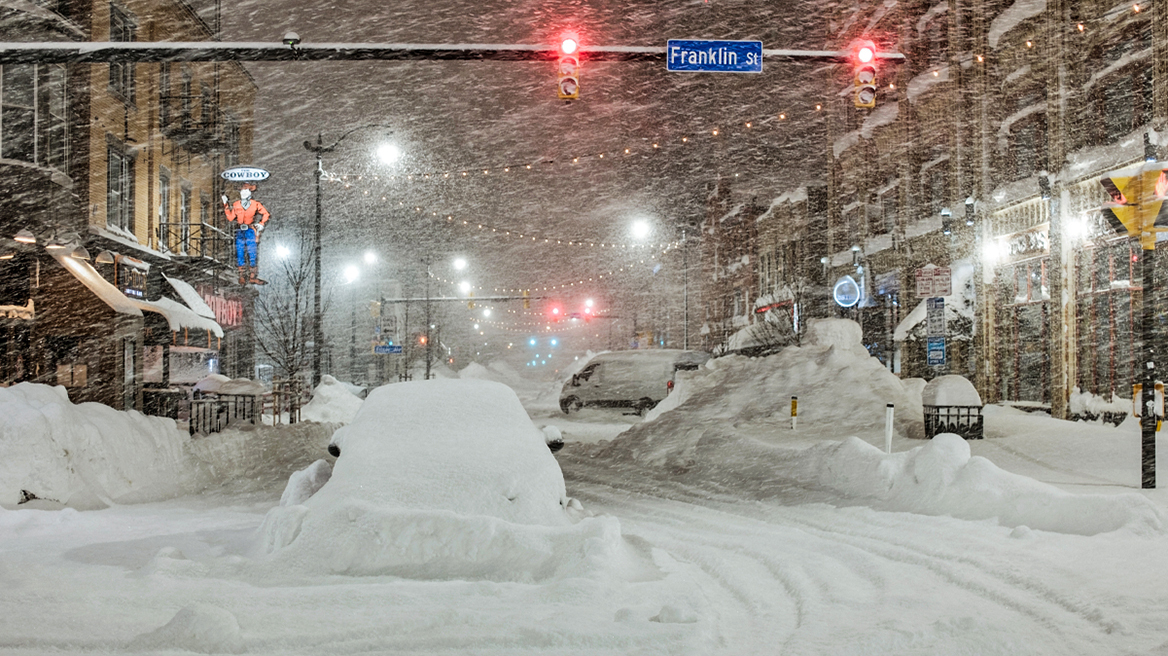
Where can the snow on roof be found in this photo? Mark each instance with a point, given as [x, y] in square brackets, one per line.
[921, 83]
[958, 304]
[1012, 16]
[100, 287]
[883, 115]
[191, 297]
[936, 10]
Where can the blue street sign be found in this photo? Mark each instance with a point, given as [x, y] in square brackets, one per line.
[936, 351]
[396, 349]
[689, 56]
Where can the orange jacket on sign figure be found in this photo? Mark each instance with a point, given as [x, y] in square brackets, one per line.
[243, 213]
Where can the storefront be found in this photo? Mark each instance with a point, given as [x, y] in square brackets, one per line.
[1023, 316]
[1106, 316]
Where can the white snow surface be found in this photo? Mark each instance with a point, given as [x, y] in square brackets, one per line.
[201, 628]
[190, 296]
[332, 402]
[950, 389]
[441, 479]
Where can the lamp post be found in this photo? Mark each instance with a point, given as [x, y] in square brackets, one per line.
[320, 149]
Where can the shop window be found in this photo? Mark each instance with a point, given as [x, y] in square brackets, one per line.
[18, 117]
[121, 74]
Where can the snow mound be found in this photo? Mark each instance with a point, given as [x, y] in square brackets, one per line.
[199, 628]
[441, 479]
[950, 390]
[332, 403]
[241, 386]
[475, 371]
[211, 383]
[304, 483]
[942, 478]
[84, 455]
[841, 390]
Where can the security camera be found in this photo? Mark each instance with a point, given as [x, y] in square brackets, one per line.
[291, 39]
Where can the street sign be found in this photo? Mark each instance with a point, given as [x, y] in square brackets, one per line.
[244, 174]
[693, 56]
[936, 351]
[934, 281]
[935, 317]
[387, 349]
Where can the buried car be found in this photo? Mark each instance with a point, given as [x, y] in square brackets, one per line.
[438, 479]
[627, 379]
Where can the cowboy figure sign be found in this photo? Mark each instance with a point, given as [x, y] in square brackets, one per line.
[247, 231]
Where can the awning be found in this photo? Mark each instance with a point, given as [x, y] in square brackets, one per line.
[179, 316]
[191, 297]
[100, 287]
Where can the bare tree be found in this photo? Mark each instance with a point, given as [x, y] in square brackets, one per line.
[283, 312]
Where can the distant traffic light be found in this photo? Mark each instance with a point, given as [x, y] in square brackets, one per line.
[864, 74]
[568, 69]
[526, 300]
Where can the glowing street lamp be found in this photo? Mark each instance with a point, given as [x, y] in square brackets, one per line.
[459, 263]
[641, 229]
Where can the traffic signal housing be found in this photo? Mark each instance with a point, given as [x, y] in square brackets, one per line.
[1139, 201]
[568, 69]
[864, 74]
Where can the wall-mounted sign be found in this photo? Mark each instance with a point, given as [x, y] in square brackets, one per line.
[244, 174]
[935, 316]
[936, 351]
[846, 292]
[1028, 243]
[130, 275]
[228, 310]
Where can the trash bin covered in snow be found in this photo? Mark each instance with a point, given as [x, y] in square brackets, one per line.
[952, 405]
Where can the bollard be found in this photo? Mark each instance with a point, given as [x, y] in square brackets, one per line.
[888, 411]
[794, 411]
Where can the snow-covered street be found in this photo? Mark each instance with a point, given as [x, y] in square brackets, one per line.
[748, 539]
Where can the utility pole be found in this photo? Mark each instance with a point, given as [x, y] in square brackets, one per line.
[685, 289]
[428, 318]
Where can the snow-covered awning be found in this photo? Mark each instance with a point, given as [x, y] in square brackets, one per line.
[100, 287]
[191, 297]
[179, 316]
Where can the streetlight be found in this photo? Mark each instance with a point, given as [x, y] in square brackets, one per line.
[641, 229]
[459, 263]
[320, 150]
[352, 273]
[370, 257]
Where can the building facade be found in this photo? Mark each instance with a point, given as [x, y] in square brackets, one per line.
[118, 280]
[983, 156]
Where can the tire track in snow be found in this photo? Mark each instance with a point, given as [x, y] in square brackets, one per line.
[865, 540]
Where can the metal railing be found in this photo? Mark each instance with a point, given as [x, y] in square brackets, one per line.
[964, 420]
[196, 240]
[213, 415]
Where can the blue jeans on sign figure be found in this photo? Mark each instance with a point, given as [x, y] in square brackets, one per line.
[245, 247]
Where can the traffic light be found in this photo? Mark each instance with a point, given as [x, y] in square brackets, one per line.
[526, 300]
[568, 69]
[1138, 194]
[864, 74]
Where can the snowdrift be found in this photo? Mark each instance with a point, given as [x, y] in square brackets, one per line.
[729, 423]
[441, 479]
[942, 478]
[89, 455]
[332, 403]
[840, 388]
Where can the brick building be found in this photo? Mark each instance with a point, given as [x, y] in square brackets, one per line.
[119, 281]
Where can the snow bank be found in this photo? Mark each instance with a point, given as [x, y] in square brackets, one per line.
[332, 402]
[841, 389]
[87, 455]
[201, 628]
[441, 479]
[941, 478]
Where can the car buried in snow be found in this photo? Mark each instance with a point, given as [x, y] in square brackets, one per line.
[627, 379]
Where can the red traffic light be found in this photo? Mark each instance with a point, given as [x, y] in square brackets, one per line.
[865, 54]
[568, 46]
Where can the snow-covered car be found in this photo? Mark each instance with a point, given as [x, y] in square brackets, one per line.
[627, 379]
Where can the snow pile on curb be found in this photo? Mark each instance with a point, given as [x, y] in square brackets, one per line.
[85, 455]
[941, 478]
[1084, 403]
[441, 479]
[841, 389]
[332, 403]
